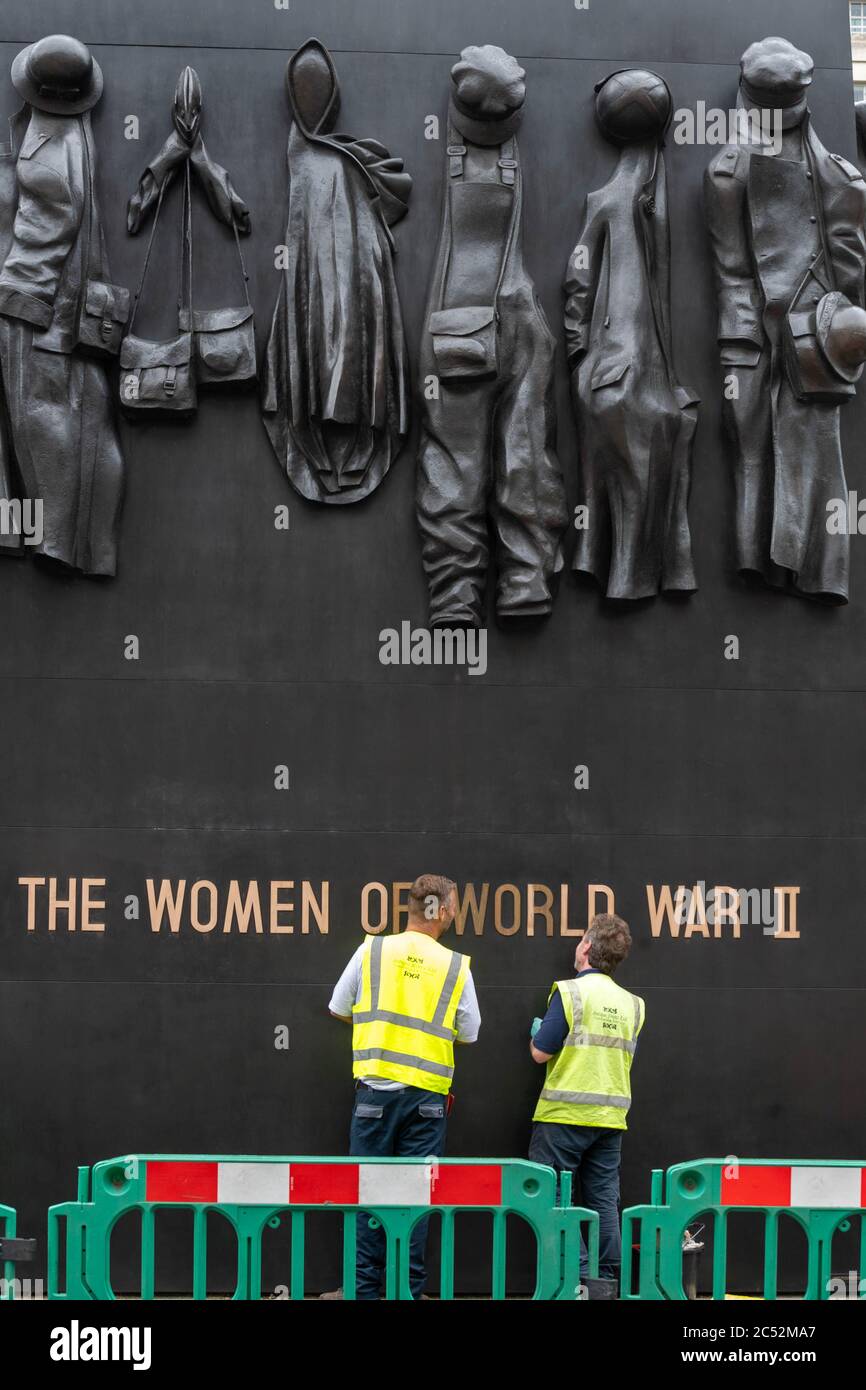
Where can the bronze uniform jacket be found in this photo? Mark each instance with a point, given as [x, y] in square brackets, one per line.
[42, 276]
[730, 208]
[58, 439]
[762, 213]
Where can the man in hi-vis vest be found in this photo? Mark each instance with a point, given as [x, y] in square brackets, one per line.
[408, 1000]
[588, 1039]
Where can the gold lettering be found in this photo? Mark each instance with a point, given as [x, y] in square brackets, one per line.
[696, 921]
[194, 908]
[542, 909]
[399, 908]
[786, 917]
[593, 892]
[66, 905]
[726, 912]
[274, 924]
[311, 908]
[564, 928]
[243, 911]
[31, 884]
[88, 903]
[469, 903]
[497, 909]
[665, 907]
[166, 902]
[367, 893]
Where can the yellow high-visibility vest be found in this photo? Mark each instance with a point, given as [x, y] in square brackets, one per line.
[588, 1081]
[404, 1020]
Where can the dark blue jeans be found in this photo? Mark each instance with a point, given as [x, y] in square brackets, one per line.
[593, 1155]
[409, 1123]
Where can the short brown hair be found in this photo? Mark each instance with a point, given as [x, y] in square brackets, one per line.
[611, 942]
[429, 891]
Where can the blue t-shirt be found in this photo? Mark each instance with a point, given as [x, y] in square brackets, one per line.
[554, 1026]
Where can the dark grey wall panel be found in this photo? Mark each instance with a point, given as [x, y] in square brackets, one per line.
[199, 754]
[261, 647]
[633, 30]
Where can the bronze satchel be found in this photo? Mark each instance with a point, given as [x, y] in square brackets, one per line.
[464, 341]
[158, 377]
[224, 341]
[104, 308]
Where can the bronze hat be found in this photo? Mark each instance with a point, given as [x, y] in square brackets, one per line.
[633, 105]
[487, 94]
[840, 328]
[58, 74]
[776, 76]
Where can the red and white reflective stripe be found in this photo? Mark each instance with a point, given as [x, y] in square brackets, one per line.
[166, 1181]
[467, 1185]
[313, 1184]
[753, 1185]
[394, 1184]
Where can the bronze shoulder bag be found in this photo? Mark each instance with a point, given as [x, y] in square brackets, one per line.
[157, 377]
[224, 343]
[103, 307]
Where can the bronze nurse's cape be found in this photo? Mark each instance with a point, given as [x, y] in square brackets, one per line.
[336, 398]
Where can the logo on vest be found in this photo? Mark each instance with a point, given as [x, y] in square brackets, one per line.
[414, 967]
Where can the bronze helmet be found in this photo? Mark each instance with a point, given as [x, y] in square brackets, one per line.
[633, 105]
[841, 331]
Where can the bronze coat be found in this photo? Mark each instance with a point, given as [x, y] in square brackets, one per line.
[762, 213]
[636, 422]
[61, 443]
[335, 397]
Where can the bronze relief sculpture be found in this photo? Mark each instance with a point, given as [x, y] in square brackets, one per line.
[59, 312]
[487, 460]
[335, 398]
[636, 421]
[212, 347]
[788, 234]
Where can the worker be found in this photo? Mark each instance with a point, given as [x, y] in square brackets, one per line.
[587, 1039]
[409, 999]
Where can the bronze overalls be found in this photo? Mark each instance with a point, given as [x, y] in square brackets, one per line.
[487, 448]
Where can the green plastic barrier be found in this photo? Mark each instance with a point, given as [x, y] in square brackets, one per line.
[254, 1193]
[15, 1252]
[8, 1227]
[822, 1196]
